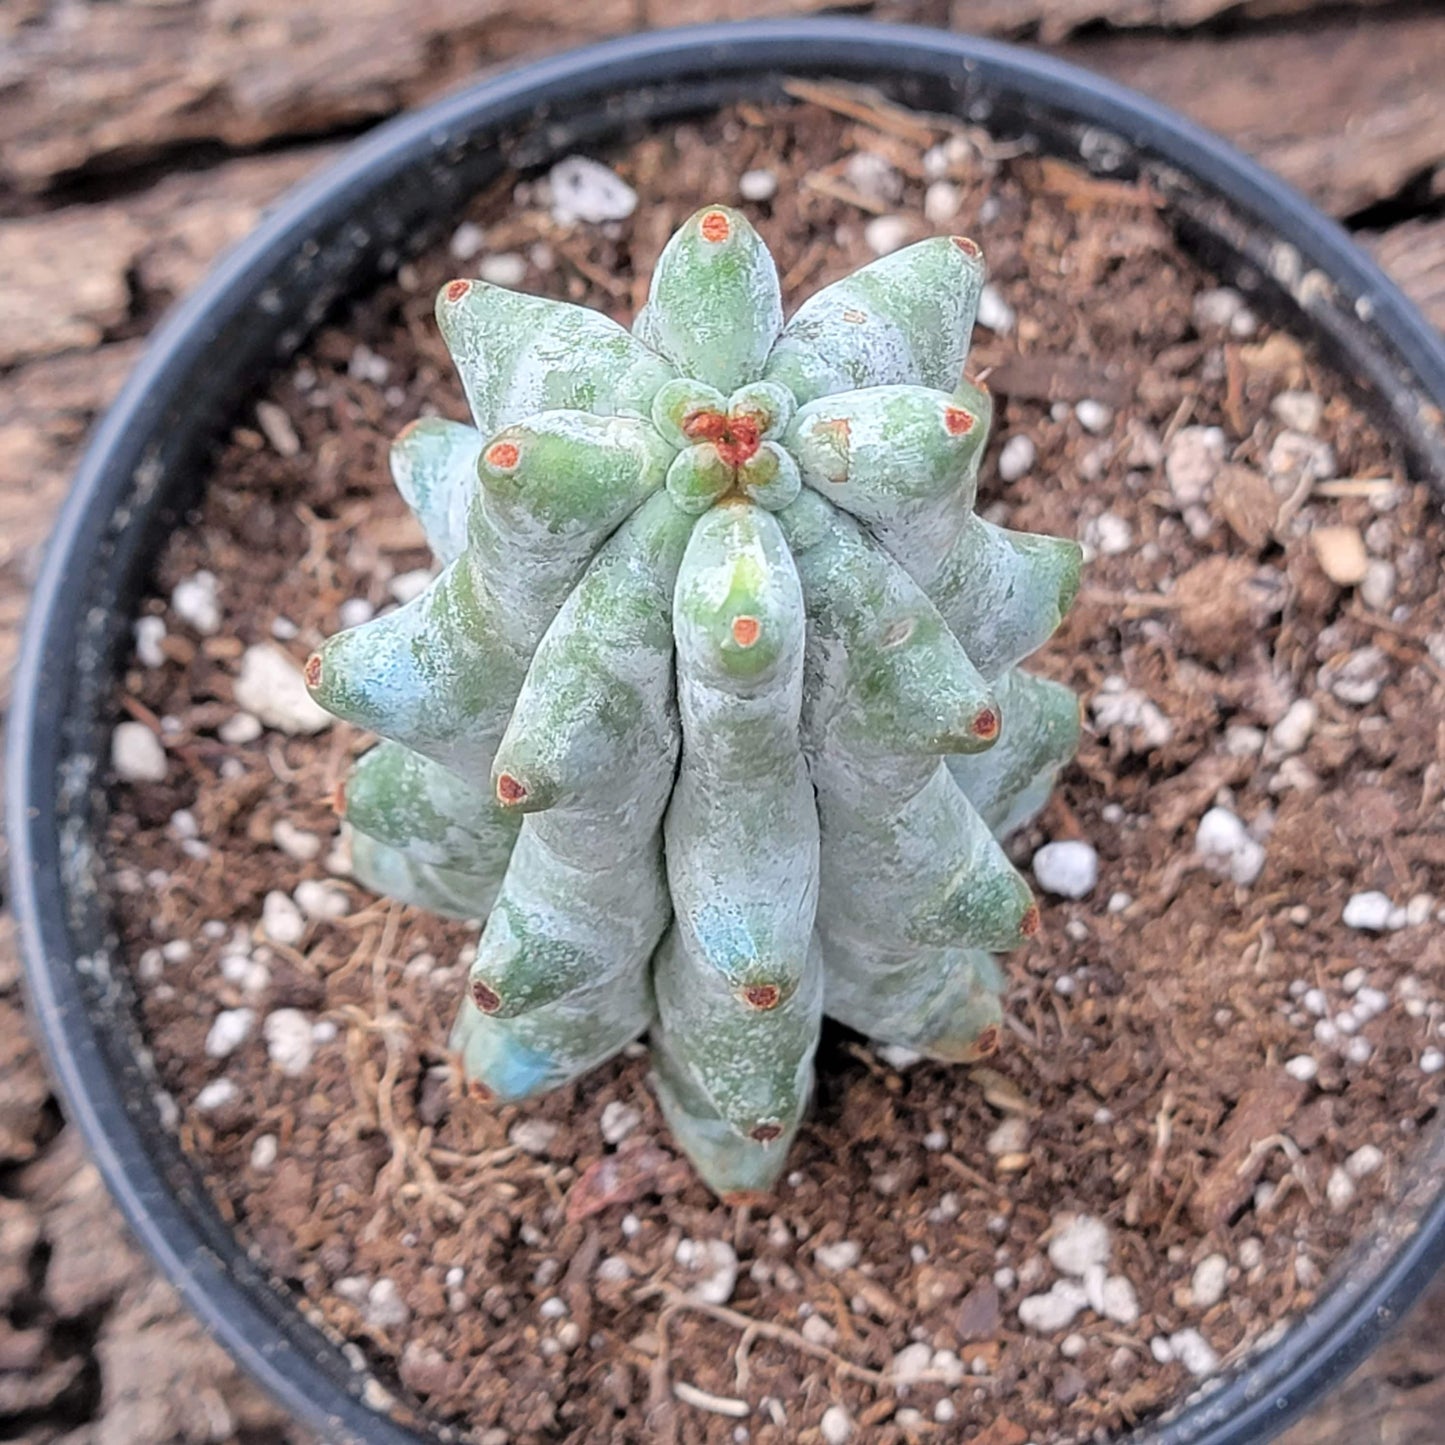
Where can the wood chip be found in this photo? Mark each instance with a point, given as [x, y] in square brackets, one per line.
[867, 106]
[1248, 504]
[1262, 1112]
[1340, 551]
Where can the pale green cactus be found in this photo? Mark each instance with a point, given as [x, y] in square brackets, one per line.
[713, 712]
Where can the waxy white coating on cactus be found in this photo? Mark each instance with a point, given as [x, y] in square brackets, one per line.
[713, 712]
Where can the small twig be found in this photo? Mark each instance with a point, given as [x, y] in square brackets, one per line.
[861, 105]
[837, 190]
[714, 1404]
[780, 1334]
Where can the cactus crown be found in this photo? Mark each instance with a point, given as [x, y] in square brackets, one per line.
[713, 711]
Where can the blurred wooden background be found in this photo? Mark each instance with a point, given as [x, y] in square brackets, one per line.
[139, 137]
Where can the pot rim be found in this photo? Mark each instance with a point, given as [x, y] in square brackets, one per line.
[296, 1364]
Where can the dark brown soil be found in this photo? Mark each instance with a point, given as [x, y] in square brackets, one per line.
[524, 1277]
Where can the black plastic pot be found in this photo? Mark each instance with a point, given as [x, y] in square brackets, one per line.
[395, 191]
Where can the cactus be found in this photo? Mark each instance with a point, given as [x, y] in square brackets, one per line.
[713, 711]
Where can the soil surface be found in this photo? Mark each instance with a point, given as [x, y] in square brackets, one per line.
[1210, 1079]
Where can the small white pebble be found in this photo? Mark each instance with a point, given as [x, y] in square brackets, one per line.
[1432, 1061]
[1004, 1278]
[195, 600]
[1196, 455]
[585, 190]
[1072, 1346]
[1251, 1254]
[1371, 1003]
[836, 1426]
[231, 1028]
[506, 268]
[1017, 457]
[385, 1308]
[874, 175]
[1339, 1190]
[294, 842]
[1162, 1350]
[614, 1270]
[534, 1136]
[1419, 909]
[1358, 678]
[284, 630]
[264, 1151]
[1301, 410]
[940, 203]
[1194, 1352]
[281, 920]
[1110, 534]
[1355, 980]
[994, 313]
[758, 185]
[1209, 1281]
[354, 611]
[1055, 1310]
[945, 1412]
[1294, 455]
[1293, 730]
[886, 234]
[1094, 416]
[367, 366]
[1302, 1067]
[1010, 1137]
[150, 632]
[1368, 911]
[935, 1140]
[1378, 588]
[137, 754]
[1326, 1034]
[1067, 868]
[838, 1256]
[408, 586]
[1358, 1050]
[898, 1057]
[467, 241]
[1315, 1002]
[289, 1041]
[910, 1362]
[1217, 308]
[239, 729]
[1365, 1161]
[322, 898]
[1225, 845]
[1118, 902]
[217, 1094]
[270, 687]
[1118, 1301]
[618, 1121]
[1242, 741]
[177, 950]
[1079, 1241]
[714, 1263]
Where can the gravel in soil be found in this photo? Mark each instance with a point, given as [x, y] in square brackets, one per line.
[1211, 1078]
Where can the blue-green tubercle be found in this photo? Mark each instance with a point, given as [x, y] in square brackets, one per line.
[713, 713]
